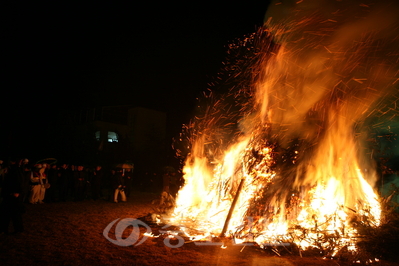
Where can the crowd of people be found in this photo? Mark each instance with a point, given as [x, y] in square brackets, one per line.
[23, 182]
[51, 182]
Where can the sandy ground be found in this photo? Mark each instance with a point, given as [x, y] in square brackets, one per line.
[71, 233]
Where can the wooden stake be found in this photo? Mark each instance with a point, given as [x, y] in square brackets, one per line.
[233, 204]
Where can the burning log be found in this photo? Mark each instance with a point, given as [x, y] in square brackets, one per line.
[233, 205]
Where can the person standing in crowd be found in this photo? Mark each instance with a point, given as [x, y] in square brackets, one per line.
[65, 178]
[26, 174]
[111, 184]
[44, 184]
[96, 182]
[52, 178]
[119, 186]
[80, 177]
[72, 184]
[35, 186]
[128, 181]
[12, 207]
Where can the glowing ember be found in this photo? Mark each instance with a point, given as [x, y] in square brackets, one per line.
[282, 164]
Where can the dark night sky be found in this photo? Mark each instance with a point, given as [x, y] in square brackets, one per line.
[61, 55]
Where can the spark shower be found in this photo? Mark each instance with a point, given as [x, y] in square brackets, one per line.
[280, 157]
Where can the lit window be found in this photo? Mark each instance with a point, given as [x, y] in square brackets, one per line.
[112, 137]
[97, 134]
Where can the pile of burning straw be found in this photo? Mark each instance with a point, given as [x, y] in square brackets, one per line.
[278, 155]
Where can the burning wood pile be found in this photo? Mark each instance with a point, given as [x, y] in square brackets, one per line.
[280, 158]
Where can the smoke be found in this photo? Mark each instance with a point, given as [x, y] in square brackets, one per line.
[337, 58]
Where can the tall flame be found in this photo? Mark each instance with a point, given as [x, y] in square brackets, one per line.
[291, 168]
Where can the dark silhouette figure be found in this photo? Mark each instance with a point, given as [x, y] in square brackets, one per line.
[12, 207]
[96, 182]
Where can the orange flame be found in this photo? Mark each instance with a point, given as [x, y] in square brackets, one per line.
[315, 88]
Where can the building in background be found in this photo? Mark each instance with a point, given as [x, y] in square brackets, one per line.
[116, 134]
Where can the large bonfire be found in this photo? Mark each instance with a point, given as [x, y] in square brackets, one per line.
[278, 158]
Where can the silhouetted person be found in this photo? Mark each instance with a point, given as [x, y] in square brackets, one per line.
[52, 177]
[96, 182]
[26, 175]
[11, 208]
[119, 186]
[65, 180]
[128, 181]
[80, 177]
